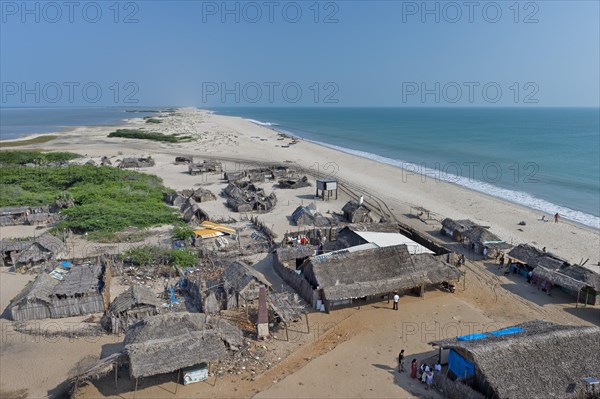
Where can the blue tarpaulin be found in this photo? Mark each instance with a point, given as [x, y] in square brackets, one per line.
[506, 331]
[459, 365]
[65, 264]
[471, 337]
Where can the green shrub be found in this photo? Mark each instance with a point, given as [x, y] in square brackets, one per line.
[182, 232]
[40, 158]
[148, 256]
[154, 136]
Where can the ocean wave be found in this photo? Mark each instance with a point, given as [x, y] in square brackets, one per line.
[517, 197]
[261, 123]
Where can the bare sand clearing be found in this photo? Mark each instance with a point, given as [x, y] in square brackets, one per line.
[353, 351]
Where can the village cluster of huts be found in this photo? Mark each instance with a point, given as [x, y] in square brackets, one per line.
[246, 197]
[260, 175]
[26, 215]
[206, 166]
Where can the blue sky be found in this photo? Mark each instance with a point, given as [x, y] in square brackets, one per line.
[349, 53]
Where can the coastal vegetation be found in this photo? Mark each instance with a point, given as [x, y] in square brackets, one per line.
[150, 119]
[154, 136]
[106, 199]
[182, 232]
[35, 157]
[149, 256]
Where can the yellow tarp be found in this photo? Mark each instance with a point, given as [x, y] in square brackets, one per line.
[218, 227]
[207, 233]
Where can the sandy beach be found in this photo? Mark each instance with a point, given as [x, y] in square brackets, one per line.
[359, 346]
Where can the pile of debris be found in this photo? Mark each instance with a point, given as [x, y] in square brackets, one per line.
[204, 167]
[246, 197]
[294, 183]
[137, 162]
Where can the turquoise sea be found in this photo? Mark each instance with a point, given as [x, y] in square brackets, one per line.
[544, 158]
[18, 122]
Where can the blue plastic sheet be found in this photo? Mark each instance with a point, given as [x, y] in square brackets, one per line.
[471, 337]
[507, 331]
[65, 264]
[459, 365]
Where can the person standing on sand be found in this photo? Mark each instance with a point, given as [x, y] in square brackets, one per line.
[429, 379]
[413, 369]
[501, 262]
[485, 252]
[396, 299]
[556, 217]
[401, 361]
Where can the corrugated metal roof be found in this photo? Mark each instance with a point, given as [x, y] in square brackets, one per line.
[383, 240]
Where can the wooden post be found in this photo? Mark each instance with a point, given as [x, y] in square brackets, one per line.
[587, 293]
[307, 325]
[577, 303]
[135, 391]
[177, 382]
[287, 337]
[116, 370]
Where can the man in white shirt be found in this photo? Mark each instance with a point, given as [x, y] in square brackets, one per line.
[396, 299]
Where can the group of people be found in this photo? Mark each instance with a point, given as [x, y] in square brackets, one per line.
[424, 372]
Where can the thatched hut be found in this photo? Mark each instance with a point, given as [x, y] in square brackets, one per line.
[249, 198]
[579, 282]
[131, 306]
[35, 300]
[31, 252]
[343, 276]
[79, 292]
[475, 236]
[202, 195]
[309, 216]
[183, 160]
[355, 212]
[170, 342]
[480, 238]
[13, 215]
[536, 359]
[137, 162]
[456, 228]
[241, 283]
[204, 167]
[591, 292]
[192, 213]
[294, 184]
[528, 257]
